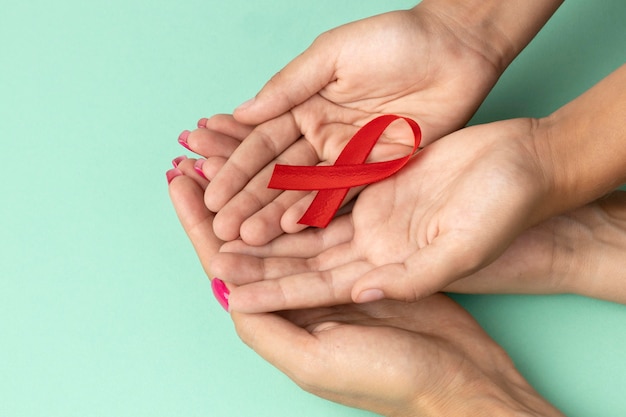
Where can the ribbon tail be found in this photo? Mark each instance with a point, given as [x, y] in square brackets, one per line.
[348, 171]
[323, 208]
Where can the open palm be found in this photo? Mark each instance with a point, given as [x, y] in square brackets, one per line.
[451, 211]
[412, 63]
[393, 358]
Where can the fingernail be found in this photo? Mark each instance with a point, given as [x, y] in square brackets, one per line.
[178, 160]
[198, 167]
[202, 122]
[245, 104]
[368, 296]
[220, 292]
[173, 173]
[182, 139]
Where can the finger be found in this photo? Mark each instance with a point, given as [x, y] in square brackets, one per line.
[212, 166]
[210, 143]
[187, 196]
[187, 167]
[313, 250]
[241, 269]
[311, 289]
[302, 78]
[293, 214]
[428, 271]
[227, 125]
[244, 269]
[278, 341]
[306, 244]
[255, 195]
[282, 216]
[265, 225]
[257, 150]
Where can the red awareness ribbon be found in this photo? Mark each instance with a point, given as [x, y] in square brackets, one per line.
[334, 181]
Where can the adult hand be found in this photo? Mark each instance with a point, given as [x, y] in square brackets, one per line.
[451, 211]
[434, 63]
[577, 252]
[392, 358]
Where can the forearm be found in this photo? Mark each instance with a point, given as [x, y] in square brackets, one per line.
[582, 146]
[499, 29]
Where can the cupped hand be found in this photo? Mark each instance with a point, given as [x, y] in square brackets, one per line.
[415, 63]
[394, 358]
[451, 211]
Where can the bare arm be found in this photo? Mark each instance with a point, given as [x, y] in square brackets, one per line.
[584, 144]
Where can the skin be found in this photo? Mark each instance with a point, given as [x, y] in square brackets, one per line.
[425, 366]
[396, 238]
[435, 359]
[467, 236]
[580, 252]
[426, 227]
[441, 60]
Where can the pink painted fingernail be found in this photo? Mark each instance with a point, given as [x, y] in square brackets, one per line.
[202, 122]
[182, 139]
[220, 292]
[198, 167]
[178, 160]
[173, 173]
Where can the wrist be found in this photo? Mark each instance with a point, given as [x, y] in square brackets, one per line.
[580, 147]
[481, 386]
[504, 395]
[498, 30]
[591, 262]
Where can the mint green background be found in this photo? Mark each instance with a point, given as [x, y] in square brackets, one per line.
[104, 310]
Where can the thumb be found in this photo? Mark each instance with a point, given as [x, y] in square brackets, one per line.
[302, 78]
[277, 340]
[426, 272]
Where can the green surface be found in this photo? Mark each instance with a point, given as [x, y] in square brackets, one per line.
[104, 309]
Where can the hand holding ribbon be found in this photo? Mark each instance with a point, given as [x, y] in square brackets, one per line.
[452, 210]
[348, 171]
[429, 73]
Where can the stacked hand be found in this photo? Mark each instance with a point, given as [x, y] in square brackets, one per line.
[452, 210]
[425, 353]
[393, 358]
[418, 63]
[576, 252]
[472, 212]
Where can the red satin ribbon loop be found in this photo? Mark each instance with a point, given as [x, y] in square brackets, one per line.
[348, 171]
